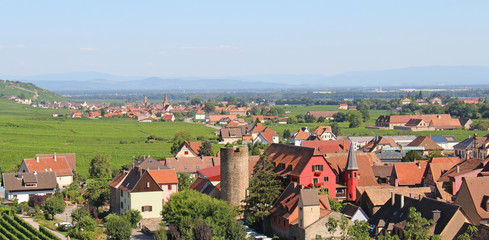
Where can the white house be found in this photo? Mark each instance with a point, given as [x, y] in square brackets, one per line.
[20, 185]
[62, 164]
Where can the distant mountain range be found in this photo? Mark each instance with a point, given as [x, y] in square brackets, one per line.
[405, 77]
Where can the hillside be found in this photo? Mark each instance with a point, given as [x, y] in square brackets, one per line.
[29, 90]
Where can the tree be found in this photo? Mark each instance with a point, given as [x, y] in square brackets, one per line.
[420, 95]
[335, 128]
[286, 134]
[173, 233]
[180, 137]
[196, 101]
[291, 120]
[234, 231]
[202, 231]
[411, 156]
[118, 228]
[184, 181]
[417, 227]
[53, 205]
[321, 119]
[264, 189]
[97, 192]
[194, 205]
[479, 125]
[308, 118]
[78, 214]
[133, 216]
[436, 153]
[206, 149]
[355, 119]
[100, 167]
[209, 107]
[365, 114]
[160, 234]
[469, 233]
[87, 224]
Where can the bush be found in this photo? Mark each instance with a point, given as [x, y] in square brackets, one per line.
[118, 228]
[87, 224]
[133, 216]
[81, 235]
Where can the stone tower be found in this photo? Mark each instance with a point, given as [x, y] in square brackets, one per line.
[351, 175]
[234, 174]
[309, 210]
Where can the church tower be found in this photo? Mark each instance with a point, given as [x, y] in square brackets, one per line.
[351, 175]
[166, 103]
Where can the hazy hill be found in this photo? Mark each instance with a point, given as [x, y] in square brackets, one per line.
[404, 77]
[29, 90]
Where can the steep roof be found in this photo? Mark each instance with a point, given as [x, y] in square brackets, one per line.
[118, 179]
[478, 193]
[351, 162]
[463, 167]
[324, 114]
[268, 134]
[191, 164]
[380, 194]
[321, 129]
[289, 155]
[410, 173]
[439, 166]
[308, 197]
[301, 134]
[330, 146]
[56, 163]
[338, 162]
[149, 163]
[426, 142]
[17, 182]
[70, 157]
[257, 128]
[165, 176]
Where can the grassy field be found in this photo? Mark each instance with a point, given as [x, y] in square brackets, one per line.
[25, 131]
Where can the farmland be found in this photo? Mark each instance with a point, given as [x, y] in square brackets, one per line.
[26, 131]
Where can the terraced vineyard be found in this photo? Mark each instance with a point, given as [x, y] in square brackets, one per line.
[12, 227]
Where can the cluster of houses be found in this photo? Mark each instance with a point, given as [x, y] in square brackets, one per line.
[236, 131]
[427, 122]
[379, 188]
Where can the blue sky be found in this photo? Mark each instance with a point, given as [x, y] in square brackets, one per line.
[223, 38]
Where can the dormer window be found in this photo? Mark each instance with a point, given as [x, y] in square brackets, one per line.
[147, 184]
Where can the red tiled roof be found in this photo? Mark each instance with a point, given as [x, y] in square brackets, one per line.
[211, 173]
[320, 129]
[164, 176]
[409, 173]
[268, 134]
[289, 155]
[364, 160]
[216, 118]
[70, 157]
[324, 114]
[257, 128]
[195, 146]
[325, 147]
[118, 179]
[301, 134]
[48, 164]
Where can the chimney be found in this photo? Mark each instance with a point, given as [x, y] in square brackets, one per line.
[400, 148]
[458, 168]
[54, 156]
[430, 136]
[140, 171]
[381, 149]
[436, 216]
[402, 201]
[37, 159]
[393, 198]
[396, 182]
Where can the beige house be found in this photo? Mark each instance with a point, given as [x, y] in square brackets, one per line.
[188, 149]
[62, 164]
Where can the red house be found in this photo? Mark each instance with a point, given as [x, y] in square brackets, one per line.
[300, 165]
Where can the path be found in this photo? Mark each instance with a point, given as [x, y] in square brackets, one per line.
[31, 221]
[66, 215]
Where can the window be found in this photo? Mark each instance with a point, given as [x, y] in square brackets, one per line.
[122, 193]
[146, 208]
[355, 175]
[122, 205]
[317, 168]
[349, 195]
[326, 179]
[349, 175]
[169, 186]
[186, 152]
[293, 179]
[315, 180]
[147, 184]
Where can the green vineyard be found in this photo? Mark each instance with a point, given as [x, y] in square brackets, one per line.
[12, 227]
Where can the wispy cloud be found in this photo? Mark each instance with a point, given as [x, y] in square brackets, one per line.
[20, 46]
[88, 49]
[163, 53]
[228, 47]
[199, 48]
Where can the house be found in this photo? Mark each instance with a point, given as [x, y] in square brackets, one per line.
[436, 100]
[473, 197]
[167, 180]
[405, 101]
[343, 106]
[205, 186]
[200, 114]
[300, 213]
[236, 123]
[232, 134]
[213, 119]
[262, 118]
[300, 136]
[168, 117]
[372, 198]
[426, 142]
[300, 165]
[354, 213]
[282, 120]
[407, 174]
[191, 164]
[379, 143]
[148, 163]
[267, 136]
[62, 164]
[436, 168]
[472, 147]
[324, 133]
[327, 115]
[446, 142]
[391, 217]
[382, 173]
[22, 184]
[138, 190]
[420, 122]
[256, 129]
[451, 180]
[188, 149]
[365, 175]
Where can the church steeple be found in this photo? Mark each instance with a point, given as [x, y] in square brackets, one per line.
[351, 163]
[166, 103]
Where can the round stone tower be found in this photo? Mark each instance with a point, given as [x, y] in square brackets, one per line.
[234, 174]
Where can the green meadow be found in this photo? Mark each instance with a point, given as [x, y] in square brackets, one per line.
[25, 131]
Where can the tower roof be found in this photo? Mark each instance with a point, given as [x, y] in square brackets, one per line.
[351, 163]
[166, 101]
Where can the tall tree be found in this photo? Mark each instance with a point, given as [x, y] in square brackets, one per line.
[53, 205]
[417, 226]
[118, 228]
[335, 128]
[264, 189]
[286, 134]
[100, 167]
[184, 181]
[206, 149]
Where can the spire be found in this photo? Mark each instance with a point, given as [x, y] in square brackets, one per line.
[166, 101]
[351, 163]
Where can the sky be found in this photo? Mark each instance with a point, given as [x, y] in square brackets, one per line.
[225, 38]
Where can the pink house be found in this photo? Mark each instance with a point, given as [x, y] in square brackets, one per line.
[468, 168]
[167, 180]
